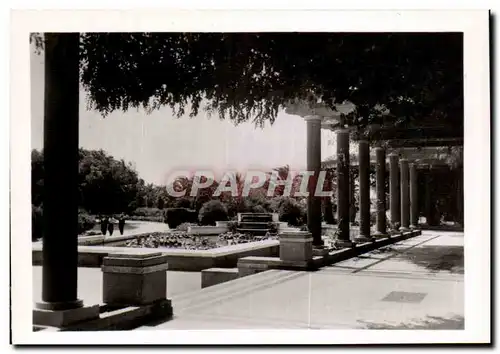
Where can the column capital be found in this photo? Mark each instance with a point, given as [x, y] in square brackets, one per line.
[313, 118]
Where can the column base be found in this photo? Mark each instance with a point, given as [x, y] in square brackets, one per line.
[59, 306]
[404, 229]
[64, 318]
[319, 251]
[345, 243]
[413, 227]
[378, 234]
[363, 239]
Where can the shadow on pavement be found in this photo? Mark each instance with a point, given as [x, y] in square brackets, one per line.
[433, 258]
[437, 258]
[429, 322]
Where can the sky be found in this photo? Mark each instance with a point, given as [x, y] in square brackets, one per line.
[159, 143]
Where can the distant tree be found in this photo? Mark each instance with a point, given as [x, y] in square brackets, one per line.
[161, 203]
[106, 185]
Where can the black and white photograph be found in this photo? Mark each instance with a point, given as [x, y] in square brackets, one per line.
[331, 178]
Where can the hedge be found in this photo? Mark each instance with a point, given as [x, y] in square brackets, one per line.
[177, 216]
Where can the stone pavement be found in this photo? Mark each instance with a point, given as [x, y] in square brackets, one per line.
[417, 283]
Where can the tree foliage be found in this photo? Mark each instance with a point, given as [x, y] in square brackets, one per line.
[106, 185]
[250, 76]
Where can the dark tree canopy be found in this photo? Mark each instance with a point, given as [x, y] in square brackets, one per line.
[250, 76]
[106, 185]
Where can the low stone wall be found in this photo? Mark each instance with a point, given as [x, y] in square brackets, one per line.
[214, 276]
[257, 264]
[177, 259]
[109, 240]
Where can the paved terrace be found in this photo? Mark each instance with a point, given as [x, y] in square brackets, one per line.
[414, 284]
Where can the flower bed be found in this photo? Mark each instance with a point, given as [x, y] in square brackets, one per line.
[183, 240]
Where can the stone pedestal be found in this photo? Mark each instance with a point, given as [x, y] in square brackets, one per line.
[296, 246]
[381, 228]
[394, 189]
[343, 185]
[413, 196]
[134, 279]
[364, 192]
[314, 165]
[405, 198]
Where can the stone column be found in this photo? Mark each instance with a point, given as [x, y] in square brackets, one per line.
[343, 187]
[427, 193]
[60, 306]
[380, 186]
[414, 210]
[405, 200]
[394, 188]
[364, 191]
[432, 217]
[60, 204]
[314, 165]
[352, 197]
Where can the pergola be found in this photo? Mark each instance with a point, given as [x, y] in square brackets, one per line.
[413, 152]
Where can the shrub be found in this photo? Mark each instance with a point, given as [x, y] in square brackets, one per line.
[273, 228]
[147, 212]
[232, 226]
[258, 209]
[183, 203]
[147, 218]
[36, 222]
[85, 222]
[176, 216]
[211, 212]
[291, 212]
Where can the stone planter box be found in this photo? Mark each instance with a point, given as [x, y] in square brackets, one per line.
[178, 259]
[134, 279]
[296, 246]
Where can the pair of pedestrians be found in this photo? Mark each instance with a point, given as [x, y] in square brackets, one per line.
[107, 225]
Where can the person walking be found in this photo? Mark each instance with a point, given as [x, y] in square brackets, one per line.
[110, 227]
[104, 224]
[121, 223]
